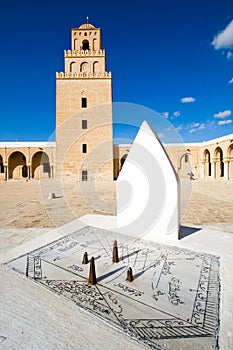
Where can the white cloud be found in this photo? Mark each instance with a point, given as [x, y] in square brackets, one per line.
[201, 127]
[224, 122]
[194, 125]
[187, 99]
[160, 135]
[176, 114]
[223, 114]
[179, 128]
[229, 55]
[224, 40]
[165, 114]
[211, 124]
[230, 81]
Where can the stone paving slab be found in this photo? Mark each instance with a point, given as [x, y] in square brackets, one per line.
[173, 302]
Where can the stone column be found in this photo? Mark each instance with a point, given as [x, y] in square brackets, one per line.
[51, 171]
[226, 170]
[213, 169]
[29, 171]
[230, 169]
[203, 169]
[5, 172]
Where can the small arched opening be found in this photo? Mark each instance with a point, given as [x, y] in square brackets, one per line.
[40, 165]
[96, 67]
[230, 157]
[1, 165]
[72, 67]
[95, 48]
[85, 45]
[83, 67]
[75, 44]
[17, 165]
[219, 170]
[185, 169]
[1, 168]
[207, 163]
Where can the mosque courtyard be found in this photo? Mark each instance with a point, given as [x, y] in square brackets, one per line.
[181, 294]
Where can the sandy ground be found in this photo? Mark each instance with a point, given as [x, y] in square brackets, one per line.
[26, 204]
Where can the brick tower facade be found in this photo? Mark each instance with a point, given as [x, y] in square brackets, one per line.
[84, 139]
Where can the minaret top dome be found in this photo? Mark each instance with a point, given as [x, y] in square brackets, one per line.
[87, 26]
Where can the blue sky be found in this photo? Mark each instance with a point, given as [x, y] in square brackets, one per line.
[174, 57]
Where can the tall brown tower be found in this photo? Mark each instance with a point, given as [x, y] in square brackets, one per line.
[83, 109]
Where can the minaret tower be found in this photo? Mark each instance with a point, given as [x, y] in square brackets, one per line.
[83, 109]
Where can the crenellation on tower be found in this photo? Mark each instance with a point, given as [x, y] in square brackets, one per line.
[74, 53]
[99, 75]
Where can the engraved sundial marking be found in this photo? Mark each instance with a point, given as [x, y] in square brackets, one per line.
[161, 304]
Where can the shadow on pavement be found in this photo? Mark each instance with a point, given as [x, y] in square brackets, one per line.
[185, 231]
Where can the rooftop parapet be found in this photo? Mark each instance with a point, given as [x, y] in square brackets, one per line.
[62, 75]
[75, 53]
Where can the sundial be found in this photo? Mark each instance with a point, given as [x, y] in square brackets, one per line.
[172, 302]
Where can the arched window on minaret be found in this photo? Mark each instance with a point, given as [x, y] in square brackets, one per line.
[83, 67]
[72, 67]
[95, 44]
[96, 67]
[75, 44]
[85, 45]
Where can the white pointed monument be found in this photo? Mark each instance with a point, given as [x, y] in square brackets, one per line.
[148, 190]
